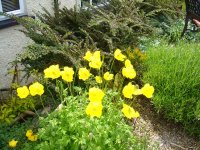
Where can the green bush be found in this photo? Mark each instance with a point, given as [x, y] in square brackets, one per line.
[70, 127]
[174, 72]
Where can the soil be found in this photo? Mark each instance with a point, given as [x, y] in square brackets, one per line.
[165, 134]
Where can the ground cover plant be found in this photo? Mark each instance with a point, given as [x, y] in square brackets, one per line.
[174, 71]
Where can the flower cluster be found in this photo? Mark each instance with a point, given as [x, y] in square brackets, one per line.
[29, 134]
[95, 107]
[34, 89]
[130, 90]
[129, 72]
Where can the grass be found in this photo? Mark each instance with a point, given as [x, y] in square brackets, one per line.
[174, 72]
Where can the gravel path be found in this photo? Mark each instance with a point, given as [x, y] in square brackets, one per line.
[164, 134]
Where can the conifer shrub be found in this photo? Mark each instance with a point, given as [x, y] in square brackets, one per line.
[63, 36]
[174, 71]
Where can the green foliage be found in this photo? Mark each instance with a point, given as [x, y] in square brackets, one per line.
[163, 20]
[174, 72]
[71, 128]
[12, 108]
[172, 31]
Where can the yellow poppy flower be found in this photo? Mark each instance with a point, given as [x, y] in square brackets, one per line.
[98, 79]
[36, 89]
[67, 74]
[88, 56]
[129, 112]
[118, 55]
[84, 74]
[128, 72]
[13, 143]
[29, 133]
[94, 109]
[108, 76]
[23, 92]
[129, 90]
[147, 90]
[52, 72]
[95, 94]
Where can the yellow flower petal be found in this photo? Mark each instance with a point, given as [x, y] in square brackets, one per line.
[88, 56]
[67, 74]
[129, 90]
[23, 92]
[128, 72]
[84, 74]
[29, 133]
[95, 94]
[95, 64]
[147, 90]
[118, 55]
[33, 138]
[128, 63]
[52, 72]
[36, 89]
[129, 112]
[107, 76]
[13, 143]
[94, 109]
[98, 79]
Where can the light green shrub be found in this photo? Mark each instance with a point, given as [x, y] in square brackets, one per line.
[174, 72]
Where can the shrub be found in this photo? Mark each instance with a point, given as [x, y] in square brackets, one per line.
[174, 71]
[61, 37]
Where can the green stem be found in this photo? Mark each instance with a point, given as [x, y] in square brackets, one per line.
[41, 102]
[50, 92]
[34, 108]
[59, 90]
[112, 64]
[70, 88]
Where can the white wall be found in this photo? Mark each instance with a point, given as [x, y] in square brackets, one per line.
[35, 5]
[13, 41]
